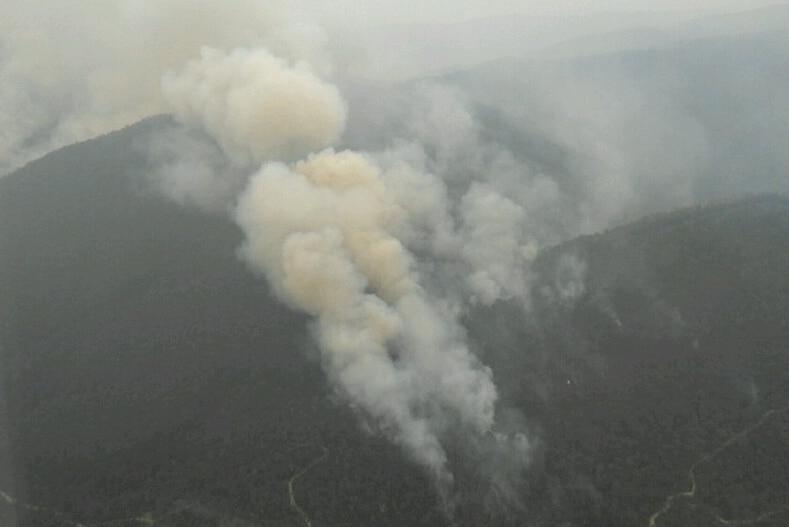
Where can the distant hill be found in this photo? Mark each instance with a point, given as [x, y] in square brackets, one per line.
[147, 375]
[413, 51]
[620, 133]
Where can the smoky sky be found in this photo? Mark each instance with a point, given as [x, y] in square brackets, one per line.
[348, 13]
[81, 68]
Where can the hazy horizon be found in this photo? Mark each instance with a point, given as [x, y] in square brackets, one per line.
[77, 69]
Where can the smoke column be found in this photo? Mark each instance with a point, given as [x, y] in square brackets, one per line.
[330, 233]
[255, 105]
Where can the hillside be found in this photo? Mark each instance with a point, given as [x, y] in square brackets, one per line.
[147, 375]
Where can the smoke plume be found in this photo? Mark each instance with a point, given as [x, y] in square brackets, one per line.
[255, 105]
[331, 234]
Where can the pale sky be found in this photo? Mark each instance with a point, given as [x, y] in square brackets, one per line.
[96, 65]
[355, 13]
[447, 33]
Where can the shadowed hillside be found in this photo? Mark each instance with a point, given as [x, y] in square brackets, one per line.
[145, 367]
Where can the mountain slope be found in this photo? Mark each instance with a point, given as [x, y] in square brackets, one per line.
[146, 371]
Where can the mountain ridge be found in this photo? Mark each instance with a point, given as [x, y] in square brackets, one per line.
[144, 361]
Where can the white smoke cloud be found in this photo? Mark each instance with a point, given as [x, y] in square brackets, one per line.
[333, 234]
[255, 105]
[322, 231]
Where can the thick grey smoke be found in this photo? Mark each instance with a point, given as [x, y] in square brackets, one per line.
[256, 105]
[331, 234]
[323, 232]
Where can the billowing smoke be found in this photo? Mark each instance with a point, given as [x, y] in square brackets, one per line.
[256, 105]
[333, 233]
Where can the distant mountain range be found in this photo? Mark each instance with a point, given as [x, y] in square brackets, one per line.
[418, 50]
